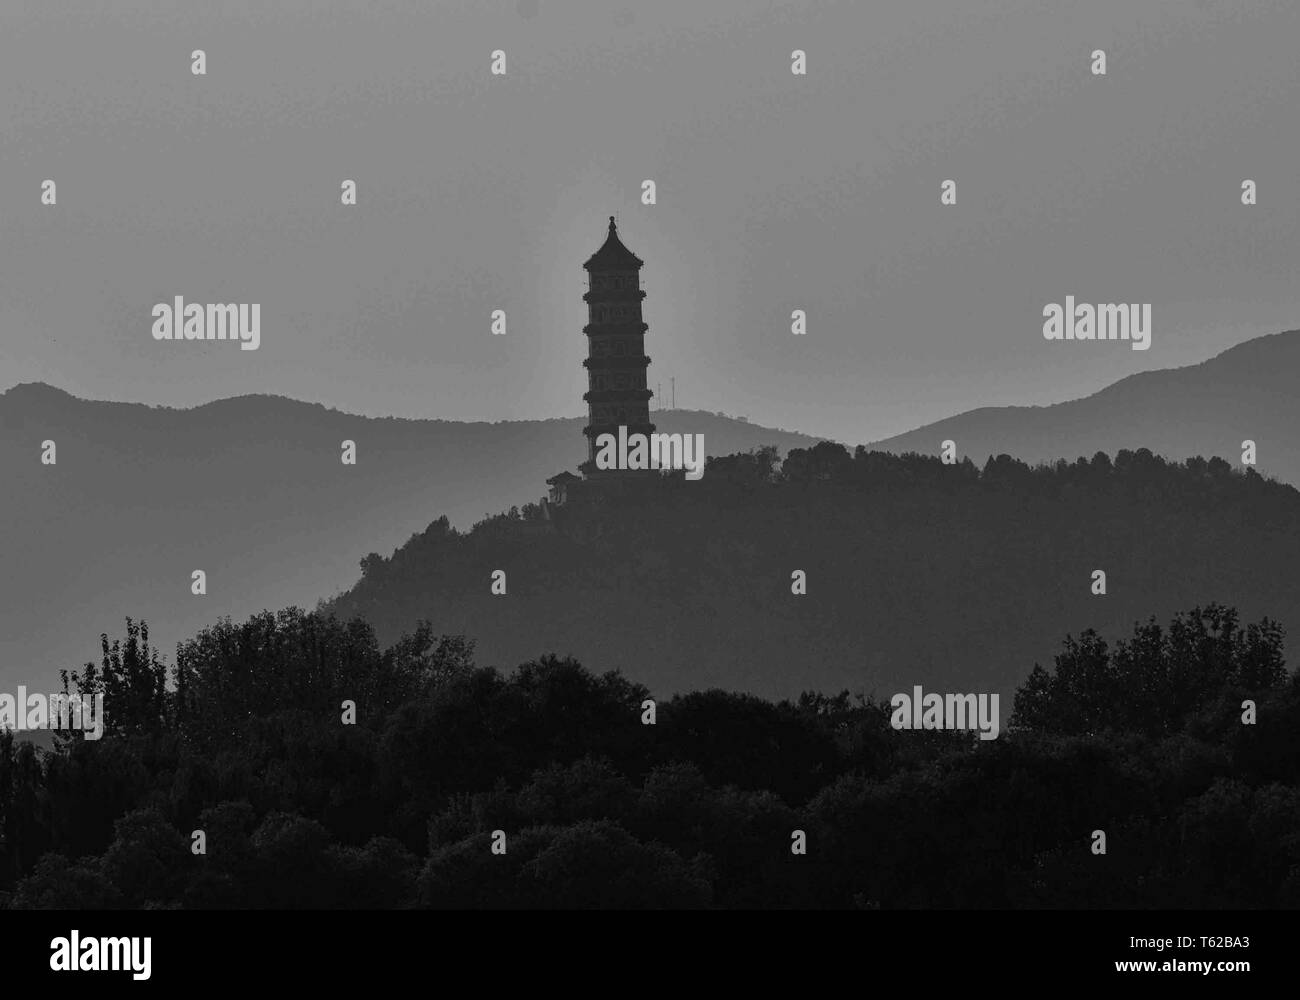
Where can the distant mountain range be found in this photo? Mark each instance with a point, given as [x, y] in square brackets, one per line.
[250, 490]
[1250, 391]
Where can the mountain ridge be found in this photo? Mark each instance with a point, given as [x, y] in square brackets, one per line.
[1199, 399]
[249, 489]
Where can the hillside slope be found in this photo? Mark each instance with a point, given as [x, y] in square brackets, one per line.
[917, 573]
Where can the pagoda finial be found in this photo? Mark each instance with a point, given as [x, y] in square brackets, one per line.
[611, 224]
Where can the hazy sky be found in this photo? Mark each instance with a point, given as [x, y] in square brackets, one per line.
[776, 192]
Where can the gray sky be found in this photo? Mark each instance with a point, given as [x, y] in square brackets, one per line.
[776, 192]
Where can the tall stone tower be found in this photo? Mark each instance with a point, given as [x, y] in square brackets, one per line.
[616, 360]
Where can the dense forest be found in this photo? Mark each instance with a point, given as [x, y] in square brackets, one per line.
[246, 738]
[957, 577]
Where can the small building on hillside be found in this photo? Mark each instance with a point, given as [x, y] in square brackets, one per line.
[560, 486]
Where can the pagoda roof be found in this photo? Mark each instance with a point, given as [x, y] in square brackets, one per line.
[612, 254]
[562, 477]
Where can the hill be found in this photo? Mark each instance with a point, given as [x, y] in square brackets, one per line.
[1247, 392]
[951, 577]
[250, 490]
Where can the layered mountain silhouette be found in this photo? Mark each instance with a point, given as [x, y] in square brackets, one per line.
[917, 573]
[1247, 392]
[250, 490]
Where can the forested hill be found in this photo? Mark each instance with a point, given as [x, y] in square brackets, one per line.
[955, 577]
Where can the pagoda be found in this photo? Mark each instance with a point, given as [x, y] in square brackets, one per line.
[616, 361]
